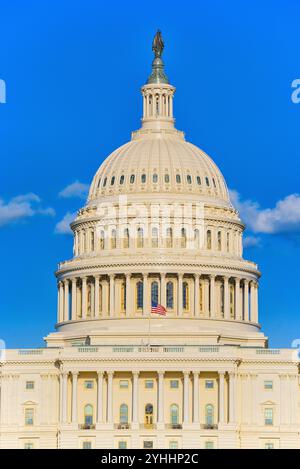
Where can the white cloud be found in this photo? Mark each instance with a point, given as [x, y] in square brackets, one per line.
[283, 218]
[251, 241]
[63, 226]
[21, 207]
[76, 189]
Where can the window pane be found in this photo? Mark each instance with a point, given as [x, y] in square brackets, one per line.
[124, 384]
[154, 292]
[149, 384]
[29, 384]
[174, 383]
[209, 384]
[268, 384]
[139, 295]
[87, 445]
[88, 384]
[170, 295]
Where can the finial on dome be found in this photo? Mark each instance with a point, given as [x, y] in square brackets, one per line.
[158, 75]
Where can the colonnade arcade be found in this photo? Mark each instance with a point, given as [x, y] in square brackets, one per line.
[189, 407]
[183, 295]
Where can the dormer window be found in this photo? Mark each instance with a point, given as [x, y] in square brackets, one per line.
[132, 178]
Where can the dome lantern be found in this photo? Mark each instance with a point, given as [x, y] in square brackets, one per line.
[158, 93]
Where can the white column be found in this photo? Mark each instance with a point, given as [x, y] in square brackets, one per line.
[135, 397]
[186, 378]
[163, 289]
[206, 297]
[294, 398]
[160, 404]
[196, 397]
[179, 294]
[96, 301]
[221, 397]
[99, 397]
[58, 302]
[226, 298]
[74, 298]
[110, 375]
[145, 295]
[212, 295]
[111, 295]
[254, 399]
[196, 296]
[246, 300]
[252, 302]
[66, 300]
[83, 298]
[128, 295]
[255, 302]
[64, 396]
[232, 397]
[237, 298]
[74, 396]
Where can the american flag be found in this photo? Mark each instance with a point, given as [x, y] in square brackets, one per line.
[158, 309]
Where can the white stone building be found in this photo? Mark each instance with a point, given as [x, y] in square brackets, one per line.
[158, 228]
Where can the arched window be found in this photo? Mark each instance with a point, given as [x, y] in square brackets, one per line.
[201, 297]
[113, 240]
[88, 415]
[92, 241]
[174, 414]
[99, 182]
[169, 238]
[112, 181]
[143, 178]
[214, 182]
[228, 242]
[219, 241]
[183, 238]
[83, 241]
[155, 178]
[189, 179]
[126, 238]
[222, 298]
[154, 238]
[170, 295]
[104, 182]
[139, 295]
[185, 296]
[209, 415]
[196, 238]
[102, 239]
[154, 292]
[140, 237]
[148, 414]
[208, 239]
[123, 413]
[123, 296]
[199, 180]
[207, 181]
[122, 178]
[178, 178]
[132, 178]
[167, 178]
[231, 290]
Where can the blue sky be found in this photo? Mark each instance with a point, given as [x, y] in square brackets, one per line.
[73, 70]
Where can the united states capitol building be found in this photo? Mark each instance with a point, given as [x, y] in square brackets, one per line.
[158, 228]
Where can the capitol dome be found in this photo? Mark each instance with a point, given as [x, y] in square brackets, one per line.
[158, 231]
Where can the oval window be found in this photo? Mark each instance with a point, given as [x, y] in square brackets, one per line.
[132, 178]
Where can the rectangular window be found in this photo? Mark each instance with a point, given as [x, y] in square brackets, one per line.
[29, 384]
[149, 384]
[269, 445]
[268, 416]
[174, 384]
[173, 444]
[268, 385]
[122, 445]
[28, 417]
[28, 445]
[88, 384]
[209, 445]
[124, 384]
[87, 445]
[209, 384]
[148, 444]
